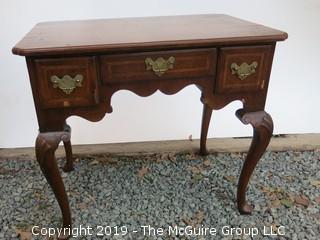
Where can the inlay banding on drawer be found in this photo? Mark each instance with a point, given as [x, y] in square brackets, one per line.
[191, 63]
[243, 69]
[67, 82]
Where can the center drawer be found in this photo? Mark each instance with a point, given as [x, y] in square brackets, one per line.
[191, 63]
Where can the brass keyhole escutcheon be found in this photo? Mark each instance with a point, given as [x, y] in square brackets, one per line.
[160, 65]
[67, 83]
[244, 70]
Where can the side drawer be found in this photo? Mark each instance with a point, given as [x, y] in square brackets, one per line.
[243, 69]
[67, 82]
[148, 66]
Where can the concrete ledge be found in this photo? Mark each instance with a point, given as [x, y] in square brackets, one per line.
[296, 142]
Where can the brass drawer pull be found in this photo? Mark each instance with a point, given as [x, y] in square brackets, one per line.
[67, 84]
[244, 70]
[160, 65]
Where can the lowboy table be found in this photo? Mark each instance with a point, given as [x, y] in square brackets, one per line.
[76, 66]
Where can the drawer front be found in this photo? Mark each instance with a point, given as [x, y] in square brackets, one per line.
[243, 69]
[67, 82]
[125, 68]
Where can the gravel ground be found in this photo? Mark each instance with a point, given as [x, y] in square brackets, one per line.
[163, 190]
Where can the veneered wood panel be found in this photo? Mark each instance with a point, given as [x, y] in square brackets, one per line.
[227, 82]
[51, 97]
[191, 63]
[69, 37]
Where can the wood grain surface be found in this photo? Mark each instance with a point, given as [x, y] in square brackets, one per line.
[71, 37]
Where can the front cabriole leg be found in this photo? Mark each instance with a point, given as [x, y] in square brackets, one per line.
[262, 131]
[46, 145]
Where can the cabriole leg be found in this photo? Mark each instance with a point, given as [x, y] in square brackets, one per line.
[46, 145]
[68, 167]
[206, 116]
[262, 131]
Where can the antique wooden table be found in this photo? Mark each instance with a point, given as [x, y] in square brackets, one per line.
[76, 66]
